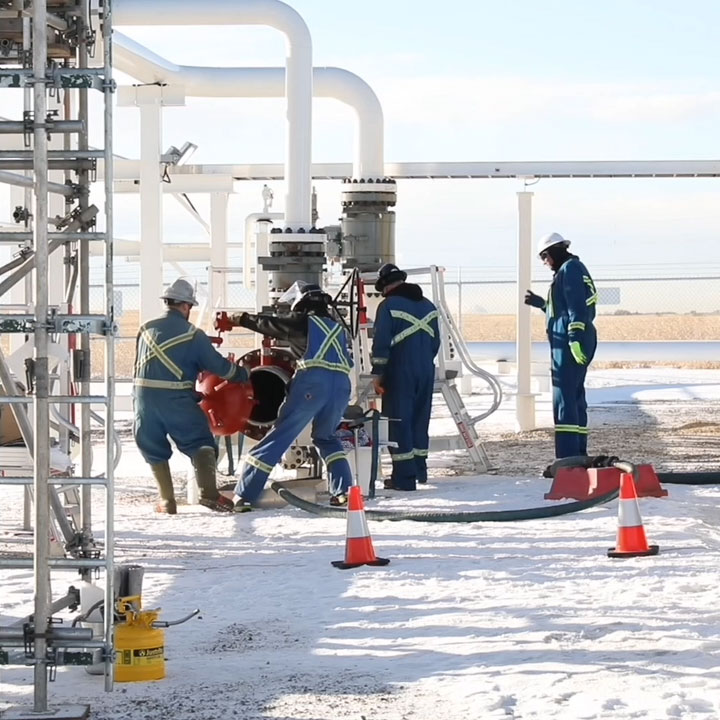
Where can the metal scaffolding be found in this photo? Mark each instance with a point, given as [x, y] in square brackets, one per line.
[46, 48]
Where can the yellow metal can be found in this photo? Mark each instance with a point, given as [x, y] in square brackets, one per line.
[139, 647]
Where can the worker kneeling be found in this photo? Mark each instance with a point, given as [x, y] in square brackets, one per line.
[319, 391]
[170, 353]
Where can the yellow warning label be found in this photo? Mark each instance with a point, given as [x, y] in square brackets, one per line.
[142, 656]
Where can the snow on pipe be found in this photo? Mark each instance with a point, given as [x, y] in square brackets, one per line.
[298, 76]
[328, 82]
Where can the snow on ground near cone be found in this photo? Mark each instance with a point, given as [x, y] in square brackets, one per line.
[491, 620]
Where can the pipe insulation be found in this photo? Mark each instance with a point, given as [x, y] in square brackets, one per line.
[298, 76]
[266, 82]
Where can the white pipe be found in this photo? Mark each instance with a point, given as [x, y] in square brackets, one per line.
[330, 82]
[298, 77]
[525, 400]
[217, 290]
[172, 252]
[250, 257]
[151, 203]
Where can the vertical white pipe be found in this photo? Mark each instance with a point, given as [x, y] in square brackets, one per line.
[262, 290]
[298, 78]
[151, 203]
[525, 402]
[217, 292]
[198, 81]
[298, 133]
[250, 253]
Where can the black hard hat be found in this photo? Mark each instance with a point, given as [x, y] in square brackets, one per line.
[389, 274]
[312, 297]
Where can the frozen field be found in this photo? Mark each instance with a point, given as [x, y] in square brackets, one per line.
[512, 620]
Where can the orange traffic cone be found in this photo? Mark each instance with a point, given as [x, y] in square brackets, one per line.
[358, 543]
[631, 540]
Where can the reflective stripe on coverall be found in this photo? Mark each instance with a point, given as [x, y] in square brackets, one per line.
[405, 343]
[318, 392]
[570, 311]
[170, 353]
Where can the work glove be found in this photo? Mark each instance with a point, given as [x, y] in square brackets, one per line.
[241, 374]
[577, 353]
[534, 300]
[239, 319]
[377, 385]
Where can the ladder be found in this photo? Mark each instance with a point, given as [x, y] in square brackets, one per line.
[48, 57]
[467, 434]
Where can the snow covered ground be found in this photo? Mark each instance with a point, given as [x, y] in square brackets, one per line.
[494, 620]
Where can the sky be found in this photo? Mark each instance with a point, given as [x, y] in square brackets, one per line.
[483, 81]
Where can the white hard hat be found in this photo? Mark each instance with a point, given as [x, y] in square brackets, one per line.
[300, 291]
[180, 291]
[548, 241]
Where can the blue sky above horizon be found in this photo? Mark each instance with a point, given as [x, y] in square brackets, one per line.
[475, 81]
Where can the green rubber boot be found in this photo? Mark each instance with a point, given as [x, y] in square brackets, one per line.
[205, 473]
[166, 504]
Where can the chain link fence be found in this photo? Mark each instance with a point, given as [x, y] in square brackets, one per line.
[629, 310]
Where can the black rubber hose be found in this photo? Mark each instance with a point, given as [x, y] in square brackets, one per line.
[457, 517]
[375, 415]
[690, 478]
[229, 453]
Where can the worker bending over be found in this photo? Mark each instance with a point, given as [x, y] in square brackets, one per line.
[170, 353]
[319, 391]
[405, 343]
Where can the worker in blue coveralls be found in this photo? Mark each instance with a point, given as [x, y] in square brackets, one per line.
[319, 391]
[405, 342]
[569, 313]
[170, 353]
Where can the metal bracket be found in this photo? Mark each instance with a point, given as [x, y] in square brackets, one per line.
[10, 325]
[21, 214]
[97, 324]
[76, 658]
[90, 324]
[51, 661]
[78, 219]
[28, 639]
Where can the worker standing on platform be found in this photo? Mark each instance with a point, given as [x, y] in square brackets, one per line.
[319, 391]
[569, 312]
[405, 342]
[170, 353]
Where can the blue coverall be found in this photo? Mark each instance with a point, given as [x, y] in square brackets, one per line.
[170, 353]
[405, 343]
[569, 315]
[319, 392]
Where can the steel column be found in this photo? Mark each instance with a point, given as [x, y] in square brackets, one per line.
[42, 407]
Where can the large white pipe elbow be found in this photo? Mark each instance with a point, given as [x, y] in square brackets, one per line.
[298, 77]
[368, 159]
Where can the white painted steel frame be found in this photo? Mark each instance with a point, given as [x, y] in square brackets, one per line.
[298, 75]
